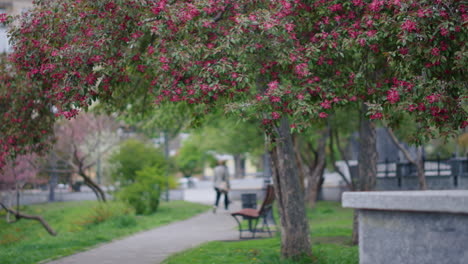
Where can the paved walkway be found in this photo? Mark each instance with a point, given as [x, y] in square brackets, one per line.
[155, 245]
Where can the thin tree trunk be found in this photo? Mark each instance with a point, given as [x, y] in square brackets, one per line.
[367, 161]
[101, 196]
[295, 239]
[420, 169]
[333, 135]
[302, 169]
[237, 166]
[19, 215]
[418, 162]
[316, 176]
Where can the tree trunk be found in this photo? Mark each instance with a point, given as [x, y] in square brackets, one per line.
[101, 196]
[418, 162]
[315, 180]
[19, 215]
[295, 238]
[302, 169]
[367, 160]
[420, 169]
[238, 166]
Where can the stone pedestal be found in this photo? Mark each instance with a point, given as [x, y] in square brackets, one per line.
[423, 227]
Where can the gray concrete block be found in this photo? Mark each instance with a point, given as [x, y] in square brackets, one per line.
[388, 237]
[406, 227]
[453, 201]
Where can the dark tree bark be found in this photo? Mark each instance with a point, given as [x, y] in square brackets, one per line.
[418, 162]
[100, 194]
[311, 168]
[367, 161]
[334, 137]
[316, 176]
[19, 215]
[295, 239]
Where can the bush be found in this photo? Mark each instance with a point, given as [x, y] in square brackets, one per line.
[144, 194]
[133, 156]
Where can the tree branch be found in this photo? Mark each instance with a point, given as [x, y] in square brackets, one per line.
[333, 159]
[19, 215]
[400, 146]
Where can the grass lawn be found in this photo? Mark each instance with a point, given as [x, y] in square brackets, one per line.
[331, 229]
[80, 225]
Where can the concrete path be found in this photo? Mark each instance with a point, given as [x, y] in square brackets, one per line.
[155, 245]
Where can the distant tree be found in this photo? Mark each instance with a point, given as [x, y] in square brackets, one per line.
[190, 158]
[80, 142]
[229, 136]
[16, 174]
[133, 155]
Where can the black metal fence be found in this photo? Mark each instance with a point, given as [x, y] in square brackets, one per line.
[440, 174]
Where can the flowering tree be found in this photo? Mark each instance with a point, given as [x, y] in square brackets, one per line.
[15, 174]
[80, 142]
[26, 119]
[280, 61]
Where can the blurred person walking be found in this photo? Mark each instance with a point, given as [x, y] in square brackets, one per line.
[221, 184]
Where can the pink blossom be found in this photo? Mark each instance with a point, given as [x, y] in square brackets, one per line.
[258, 97]
[3, 18]
[275, 115]
[411, 108]
[377, 115]
[464, 124]
[163, 59]
[326, 104]
[433, 98]
[362, 42]
[150, 50]
[421, 107]
[335, 7]
[435, 51]
[358, 2]
[376, 5]
[268, 25]
[302, 69]
[393, 96]
[273, 85]
[371, 33]
[141, 68]
[266, 121]
[289, 27]
[207, 24]
[409, 26]
[300, 96]
[323, 115]
[403, 51]
[275, 99]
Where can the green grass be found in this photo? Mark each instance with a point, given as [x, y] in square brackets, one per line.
[331, 229]
[79, 227]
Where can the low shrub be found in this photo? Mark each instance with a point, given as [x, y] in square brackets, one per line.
[124, 221]
[144, 194]
[104, 212]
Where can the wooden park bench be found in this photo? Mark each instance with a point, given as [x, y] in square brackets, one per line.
[254, 215]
